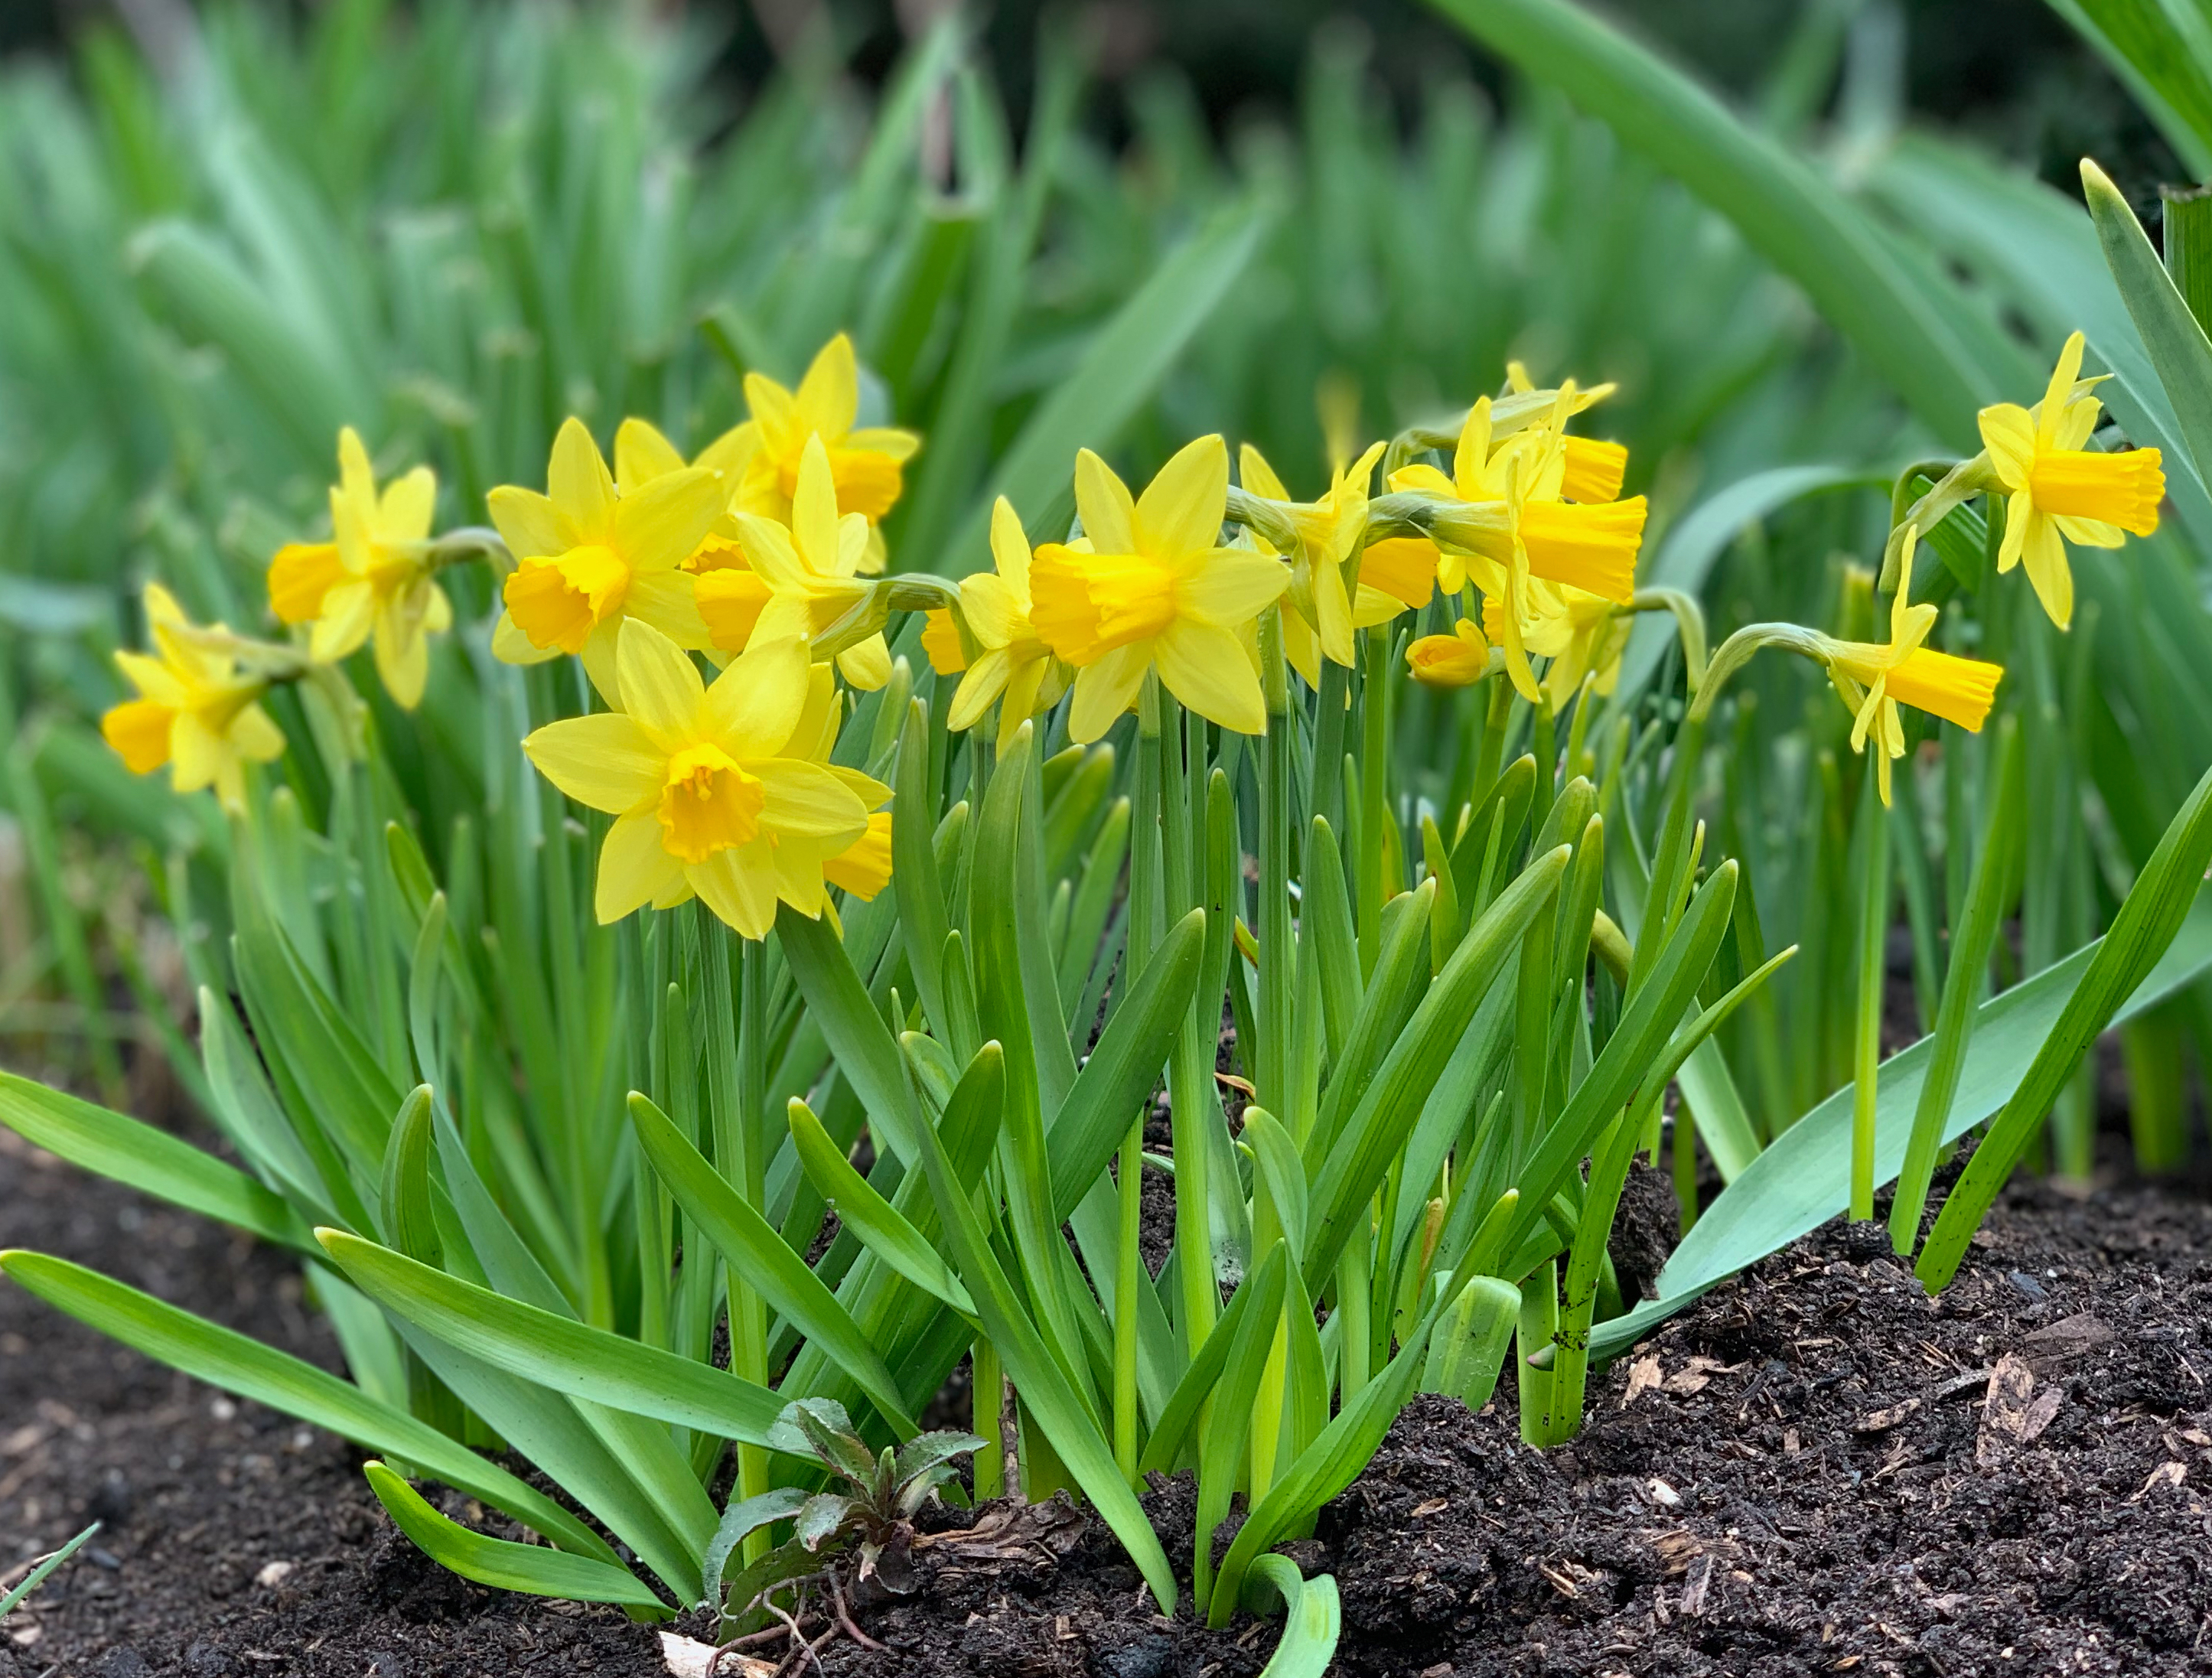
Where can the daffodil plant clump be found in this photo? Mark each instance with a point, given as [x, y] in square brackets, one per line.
[695, 974]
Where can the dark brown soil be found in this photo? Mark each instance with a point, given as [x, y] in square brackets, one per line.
[237, 1543]
[1808, 1472]
[1810, 1476]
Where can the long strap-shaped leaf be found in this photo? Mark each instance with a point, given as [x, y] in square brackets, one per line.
[866, 1054]
[557, 1351]
[1799, 1183]
[754, 1248]
[881, 1228]
[1313, 1619]
[2149, 918]
[1785, 209]
[228, 1359]
[1045, 1390]
[149, 1160]
[2177, 344]
[501, 1564]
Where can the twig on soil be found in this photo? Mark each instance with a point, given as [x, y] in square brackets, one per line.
[845, 1618]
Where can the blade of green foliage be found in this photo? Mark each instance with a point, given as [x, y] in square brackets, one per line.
[871, 1218]
[229, 1360]
[1312, 1618]
[2149, 918]
[2177, 344]
[1801, 1181]
[2163, 52]
[46, 1570]
[149, 1160]
[502, 1563]
[756, 1251]
[1785, 209]
[557, 1351]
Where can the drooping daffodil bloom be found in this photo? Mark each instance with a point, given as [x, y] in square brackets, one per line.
[2056, 491]
[373, 577]
[1319, 613]
[1459, 659]
[714, 790]
[1157, 591]
[643, 452]
[1015, 668]
[589, 558]
[1873, 679]
[196, 709]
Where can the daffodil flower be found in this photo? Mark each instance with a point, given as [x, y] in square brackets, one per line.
[196, 711]
[1579, 632]
[588, 559]
[1319, 614]
[1874, 680]
[940, 640]
[866, 463]
[802, 580]
[708, 796]
[1159, 591]
[1459, 659]
[1015, 668]
[2058, 492]
[372, 577]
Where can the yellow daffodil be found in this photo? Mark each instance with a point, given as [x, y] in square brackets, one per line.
[707, 796]
[372, 577]
[1015, 668]
[802, 580]
[1459, 659]
[1159, 591]
[1515, 527]
[867, 465]
[588, 559]
[1319, 615]
[2056, 491]
[1874, 680]
[864, 867]
[1579, 633]
[196, 709]
[643, 452]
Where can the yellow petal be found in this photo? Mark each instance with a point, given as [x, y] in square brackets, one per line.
[1103, 503]
[1256, 476]
[657, 526]
[756, 705]
[348, 613]
[1207, 668]
[356, 477]
[866, 666]
[641, 454]
[138, 730]
[604, 760]
[635, 869]
[1180, 510]
[409, 502]
[2055, 394]
[985, 681]
[299, 577]
[509, 645]
[940, 640]
[2048, 572]
[529, 523]
[1010, 549]
[738, 885]
[2009, 435]
[577, 479]
[1019, 703]
[1106, 689]
[806, 799]
[403, 656]
[864, 867]
[814, 510]
[828, 396]
[660, 686]
[994, 616]
[1227, 587]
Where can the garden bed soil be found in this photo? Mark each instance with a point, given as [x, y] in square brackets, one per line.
[1805, 1472]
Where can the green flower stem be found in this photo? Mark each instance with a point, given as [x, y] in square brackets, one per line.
[1374, 796]
[1129, 1277]
[1874, 932]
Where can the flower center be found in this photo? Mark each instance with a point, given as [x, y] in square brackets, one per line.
[559, 601]
[710, 804]
[1084, 606]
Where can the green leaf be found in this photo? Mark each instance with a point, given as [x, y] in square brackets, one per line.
[238, 1365]
[502, 1564]
[1785, 209]
[1223, 1448]
[1124, 1066]
[554, 1350]
[2177, 344]
[44, 1571]
[866, 1054]
[1045, 1387]
[874, 1220]
[759, 1253]
[1802, 1180]
[1466, 1348]
[2164, 55]
[2149, 917]
[744, 1517]
[1312, 1618]
[149, 1160]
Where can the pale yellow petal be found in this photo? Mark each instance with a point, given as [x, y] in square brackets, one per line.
[868, 665]
[828, 397]
[2020, 517]
[1256, 476]
[530, 524]
[1230, 586]
[349, 611]
[659, 525]
[409, 502]
[806, 799]
[635, 869]
[1105, 689]
[403, 656]
[577, 479]
[660, 686]
[1103, 503]
[994, 616]
[1181, 507]
[2009, 436]
[641, 454]
[1010, 550]
[883, 440]
[755, 706]
[605, 761]
[814, 510]
[2049, 573]
[509, 645]
[669, 600]
[738, 884]
[1207, 669]
[985, 681]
